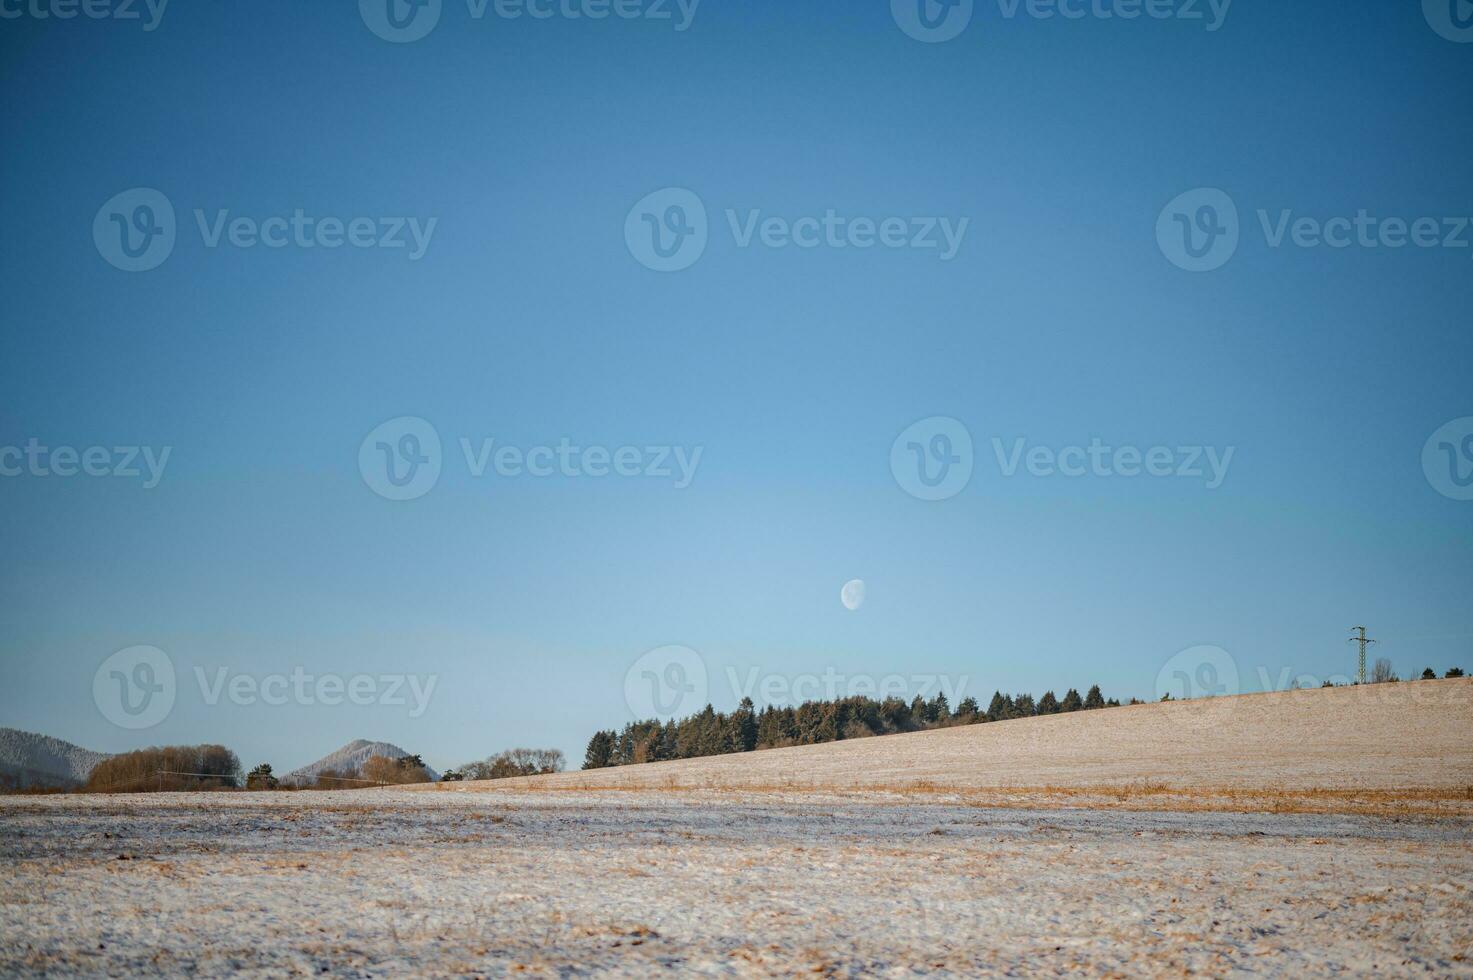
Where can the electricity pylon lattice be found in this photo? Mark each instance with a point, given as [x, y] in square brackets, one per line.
[1360, 673]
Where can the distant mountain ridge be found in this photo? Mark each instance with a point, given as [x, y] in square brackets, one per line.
[350, 759]
[31, 759]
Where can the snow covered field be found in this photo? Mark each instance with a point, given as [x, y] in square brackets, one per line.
[391, 882]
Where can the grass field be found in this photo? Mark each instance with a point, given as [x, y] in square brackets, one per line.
[1302, 834]
[1327, 749]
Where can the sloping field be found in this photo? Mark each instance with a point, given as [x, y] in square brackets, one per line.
[1412, 738]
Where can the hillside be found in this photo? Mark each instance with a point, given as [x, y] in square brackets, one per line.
[1408, 736]
[40, 760]
[349, 759]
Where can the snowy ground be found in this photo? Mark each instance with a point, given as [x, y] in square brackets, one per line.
[386, 882]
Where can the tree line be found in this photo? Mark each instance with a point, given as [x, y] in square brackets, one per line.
[166, 769]
[512, 762]
[711, 732]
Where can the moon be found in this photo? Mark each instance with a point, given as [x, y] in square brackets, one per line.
[852, 594]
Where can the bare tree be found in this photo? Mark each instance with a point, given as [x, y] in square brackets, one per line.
[516, 762]
[1381, 673]
[395, 772]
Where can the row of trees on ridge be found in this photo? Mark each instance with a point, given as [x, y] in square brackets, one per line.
[710, 732]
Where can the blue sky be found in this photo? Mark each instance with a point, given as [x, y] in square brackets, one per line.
[528, 320]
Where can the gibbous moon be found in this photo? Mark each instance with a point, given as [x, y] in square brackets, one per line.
[852, 594]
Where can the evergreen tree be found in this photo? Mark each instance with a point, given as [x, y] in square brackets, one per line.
[1071, 702]
[999, 709]
[261, 777]
[600, 751]
[896, 715]
[1023, 706]
[1048, 704]
[939, 708]
[968, 709]
[746, 725]
[1454, 672]
[1094, 699]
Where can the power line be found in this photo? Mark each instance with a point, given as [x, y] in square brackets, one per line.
[1362, 640]
[216, 775]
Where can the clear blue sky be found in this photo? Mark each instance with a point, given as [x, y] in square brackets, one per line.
[528, 320]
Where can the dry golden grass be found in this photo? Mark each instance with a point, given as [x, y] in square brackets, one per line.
[1390, 748]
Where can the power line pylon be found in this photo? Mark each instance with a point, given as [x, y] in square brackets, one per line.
[1362, 640]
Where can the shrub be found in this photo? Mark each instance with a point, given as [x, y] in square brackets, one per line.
[261, 777]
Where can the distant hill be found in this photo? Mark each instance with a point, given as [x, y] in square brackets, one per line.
[29, 759]
[349, 759]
